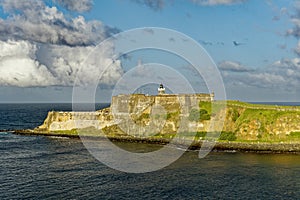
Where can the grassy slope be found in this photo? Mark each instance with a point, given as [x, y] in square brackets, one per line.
[268, 123]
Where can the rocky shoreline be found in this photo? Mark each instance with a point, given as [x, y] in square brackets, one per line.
[251, 146]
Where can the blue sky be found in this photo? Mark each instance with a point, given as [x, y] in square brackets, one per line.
[254, 43]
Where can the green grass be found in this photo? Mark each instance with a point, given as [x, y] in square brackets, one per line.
[173, 115]
[89, 131]
[295, 135]
[196, 115]
[228, 136]
[235, 114]
[263, 116]
[197, 135]
[144, 116]
[235, 103]
[206, 106]
[66, 132]
[213, 108]
[224, 136]
[164, 136]
[190, 135]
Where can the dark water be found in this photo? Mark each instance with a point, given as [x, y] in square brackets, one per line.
[37, 167]
[24, 116]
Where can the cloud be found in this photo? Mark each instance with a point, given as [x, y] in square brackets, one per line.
[157, 5]
[26, 64]
[233, 66]
[217, 2]
[65, 62]
[282, 75]
[295, 31]
[265, 80]
[297, 49]
[284, 64]
[276, 18]
[76, 5]
[40, 46]
[19, 67]
[153, 4]
[281, 46]
[35, 21]
[21, 6]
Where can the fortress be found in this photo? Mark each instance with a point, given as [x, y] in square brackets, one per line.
[163, 115]
[134, 102]
[126, 106]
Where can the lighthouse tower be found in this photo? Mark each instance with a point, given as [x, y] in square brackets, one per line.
[161, 90]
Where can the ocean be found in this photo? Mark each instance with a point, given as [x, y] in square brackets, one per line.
[38, 167]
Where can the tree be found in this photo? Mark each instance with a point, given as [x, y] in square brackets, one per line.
[194, 115]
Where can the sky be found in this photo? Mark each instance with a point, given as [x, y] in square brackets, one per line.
[45, 44]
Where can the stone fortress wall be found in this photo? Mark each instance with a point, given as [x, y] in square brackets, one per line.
[121, 107]
[59, 121]
[134, 102]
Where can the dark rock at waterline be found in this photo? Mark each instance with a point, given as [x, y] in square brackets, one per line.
[187, 144]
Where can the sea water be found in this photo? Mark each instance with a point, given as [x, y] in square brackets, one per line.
[38, 167]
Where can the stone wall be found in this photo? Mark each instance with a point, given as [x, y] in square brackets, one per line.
[131, 112]
[57, 121]
[136, 103]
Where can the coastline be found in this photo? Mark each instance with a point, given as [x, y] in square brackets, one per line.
[222, 146]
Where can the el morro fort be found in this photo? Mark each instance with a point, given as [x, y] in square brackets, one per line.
[132, 112]
[165, 115]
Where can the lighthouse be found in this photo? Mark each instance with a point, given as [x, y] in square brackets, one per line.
[161, 90]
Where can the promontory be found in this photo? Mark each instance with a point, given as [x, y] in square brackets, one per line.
[158, 118]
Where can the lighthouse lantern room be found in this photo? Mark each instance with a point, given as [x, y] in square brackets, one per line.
[161, 89]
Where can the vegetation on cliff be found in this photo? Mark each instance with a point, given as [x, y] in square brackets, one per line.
[266, 123]
[199, 115]
[246, 122]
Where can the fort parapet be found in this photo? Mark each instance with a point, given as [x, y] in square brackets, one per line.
[127, 103]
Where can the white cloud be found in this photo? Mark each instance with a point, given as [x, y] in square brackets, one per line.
[153, 4]
[40, 46]
[233, 66]
[297, 49]
[160, 4]
[34, 21]
[265, 79]
[25, 64]
[284, 64]
[77, 5]
[283, 75]
[295, 31]
[24, 5]
[65, 62]
[18, 66]
[217, 2]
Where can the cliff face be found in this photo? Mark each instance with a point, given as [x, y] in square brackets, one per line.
[263, 122]
[60, 121]
[144, 116]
